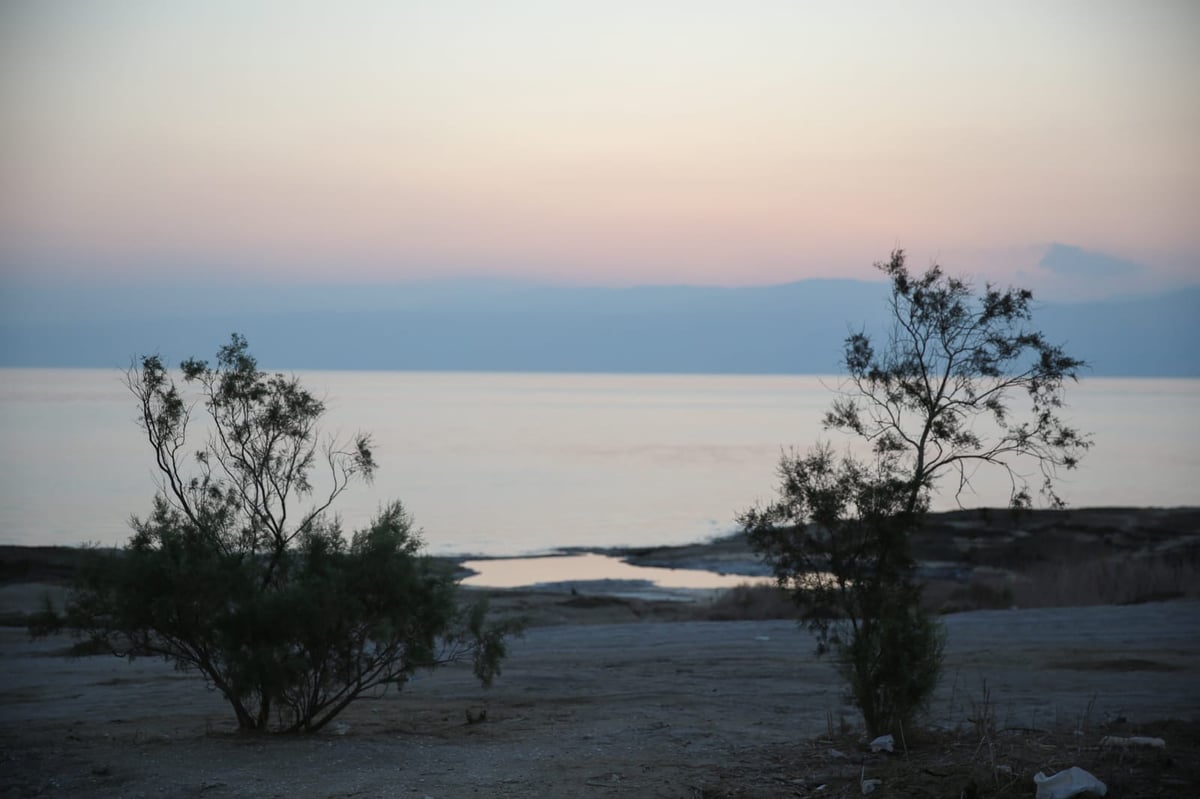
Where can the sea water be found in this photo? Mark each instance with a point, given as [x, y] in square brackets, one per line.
[510, 464]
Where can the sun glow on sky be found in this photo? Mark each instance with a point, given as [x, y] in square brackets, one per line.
[619, 142]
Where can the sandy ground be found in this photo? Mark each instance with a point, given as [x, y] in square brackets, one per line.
[657, 709]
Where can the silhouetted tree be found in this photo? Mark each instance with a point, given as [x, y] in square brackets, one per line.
[937, 398]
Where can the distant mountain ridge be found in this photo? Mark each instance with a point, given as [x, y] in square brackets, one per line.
[500, 326]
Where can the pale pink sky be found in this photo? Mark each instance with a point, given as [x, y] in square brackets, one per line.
[610, 143]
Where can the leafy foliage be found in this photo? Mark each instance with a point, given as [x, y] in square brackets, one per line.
[834, 536]
[275, 608]
[837, 540]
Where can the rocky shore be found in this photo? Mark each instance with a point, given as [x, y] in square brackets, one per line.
[988, 558]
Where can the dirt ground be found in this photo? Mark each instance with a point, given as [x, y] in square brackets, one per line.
[640, 708]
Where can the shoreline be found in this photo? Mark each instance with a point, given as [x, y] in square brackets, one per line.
[989, 521]
[977, 558]
[965, 555]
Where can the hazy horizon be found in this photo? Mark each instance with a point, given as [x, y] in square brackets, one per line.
[507, 326]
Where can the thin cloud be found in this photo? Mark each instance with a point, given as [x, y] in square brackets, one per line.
[1064, 259]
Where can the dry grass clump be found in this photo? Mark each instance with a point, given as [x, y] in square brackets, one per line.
[990, 592]
[1074, 582]
[1110, 581]
[748, 602]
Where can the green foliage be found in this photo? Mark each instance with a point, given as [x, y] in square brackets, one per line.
[835, 537]
[288, 620]
[837, 540]
[892, 664]
[937, 397]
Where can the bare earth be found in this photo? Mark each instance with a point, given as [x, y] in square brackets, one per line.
[650, 708]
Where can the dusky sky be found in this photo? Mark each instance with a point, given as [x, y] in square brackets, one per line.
[616, 143]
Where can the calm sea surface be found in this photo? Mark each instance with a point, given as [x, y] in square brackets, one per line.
[503, 464]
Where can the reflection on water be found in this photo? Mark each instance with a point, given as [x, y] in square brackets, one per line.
[520, 572]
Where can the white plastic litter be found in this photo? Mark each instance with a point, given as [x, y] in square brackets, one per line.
[869, 786]
[1137, 740]
[1066, 784]
[884, 743]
